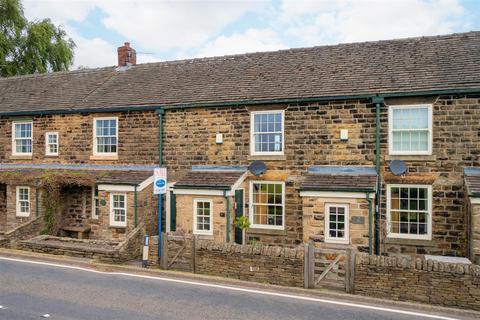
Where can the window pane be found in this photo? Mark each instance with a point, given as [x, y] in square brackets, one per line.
[411, 213]
[267, 206]
[106, 136]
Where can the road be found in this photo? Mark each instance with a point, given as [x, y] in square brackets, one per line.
[30, 291]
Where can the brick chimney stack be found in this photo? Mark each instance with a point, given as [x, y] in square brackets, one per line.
[127, 56]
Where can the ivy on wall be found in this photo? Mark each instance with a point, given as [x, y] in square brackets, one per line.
[51, 183]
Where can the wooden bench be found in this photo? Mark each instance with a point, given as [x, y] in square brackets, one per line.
[80, 232]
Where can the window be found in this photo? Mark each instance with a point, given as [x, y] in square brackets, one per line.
[409, 211]
[23, 201]
[267, 205]
[105, 136]
[51, 143]
[22, 138]
[202, 217]
[95, 203]
[336, 223]
[410, 130]
[118, 210]
[267, 132]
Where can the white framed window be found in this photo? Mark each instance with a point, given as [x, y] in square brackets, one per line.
[23, 201]
[409, 211]
[51, 143]
[95, 203]
[105, 136]
[118, 209]
[267, 132]
[22, 133]
[267, 204]
[203, 216]
[337, 223]
[410, 129]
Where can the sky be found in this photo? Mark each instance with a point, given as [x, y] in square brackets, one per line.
[171, 30]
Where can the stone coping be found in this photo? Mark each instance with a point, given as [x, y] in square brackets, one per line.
[417, 263]
[86, 245]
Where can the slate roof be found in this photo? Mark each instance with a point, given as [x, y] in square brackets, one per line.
[223, 180]
[405, 65]
[131, 178]
[332, 178]
[116, 177]
[472, 181]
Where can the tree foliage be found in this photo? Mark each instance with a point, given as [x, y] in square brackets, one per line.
[28, 47]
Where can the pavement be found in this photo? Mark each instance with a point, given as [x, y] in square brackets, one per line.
[33, 286]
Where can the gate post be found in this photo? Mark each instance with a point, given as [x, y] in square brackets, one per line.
[164, 249]
[350, 271]
[309, 266]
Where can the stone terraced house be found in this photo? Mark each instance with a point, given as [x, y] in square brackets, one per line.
[369, 145]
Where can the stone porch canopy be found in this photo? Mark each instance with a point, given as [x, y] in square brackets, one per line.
[123, 178]
[214, 180]
[322, 180]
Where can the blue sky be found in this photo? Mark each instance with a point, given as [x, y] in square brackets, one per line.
[169, 30]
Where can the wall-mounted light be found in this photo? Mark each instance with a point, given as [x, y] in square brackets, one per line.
[344, 135]
[219, 138]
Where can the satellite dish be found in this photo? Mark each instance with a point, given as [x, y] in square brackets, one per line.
[257, 167]
[398, 167]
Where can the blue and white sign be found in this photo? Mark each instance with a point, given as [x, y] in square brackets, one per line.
[160, 181]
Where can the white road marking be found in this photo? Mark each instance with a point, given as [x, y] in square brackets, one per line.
[211, 285]
[2, 307]
[45, 316]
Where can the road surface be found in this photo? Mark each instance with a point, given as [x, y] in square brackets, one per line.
[32, 290]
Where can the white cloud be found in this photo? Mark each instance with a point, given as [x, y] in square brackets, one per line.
[252, 40]
[92, 53]
[57, 10]
[179, 25]
[350, 21]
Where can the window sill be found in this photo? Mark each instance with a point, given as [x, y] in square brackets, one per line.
[273, 232]
[411, 157]
[118, 227]
[51, 156]
[267, 157]
[410, 242]
[22, 216]
[19, 157]
[104, 158]
[203, 236]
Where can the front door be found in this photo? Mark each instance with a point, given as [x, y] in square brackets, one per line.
[239, 205]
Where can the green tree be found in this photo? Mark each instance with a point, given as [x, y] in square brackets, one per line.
[28, 47]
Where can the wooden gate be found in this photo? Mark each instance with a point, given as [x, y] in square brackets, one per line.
[329, 268]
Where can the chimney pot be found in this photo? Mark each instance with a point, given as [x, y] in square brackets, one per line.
[127, 56]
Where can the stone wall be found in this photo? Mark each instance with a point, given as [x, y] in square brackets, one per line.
[135, 143]
[406, 278]
[12, 220]
[3, 208]
[185, 205]
[314, 220]
[474, 233]
[24, 231]
[258, 263]
[77, 206]
[101, 250]
[312, 138]
[145, 212]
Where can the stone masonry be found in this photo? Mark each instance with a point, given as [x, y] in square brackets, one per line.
[314, 221]
[407, 278]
